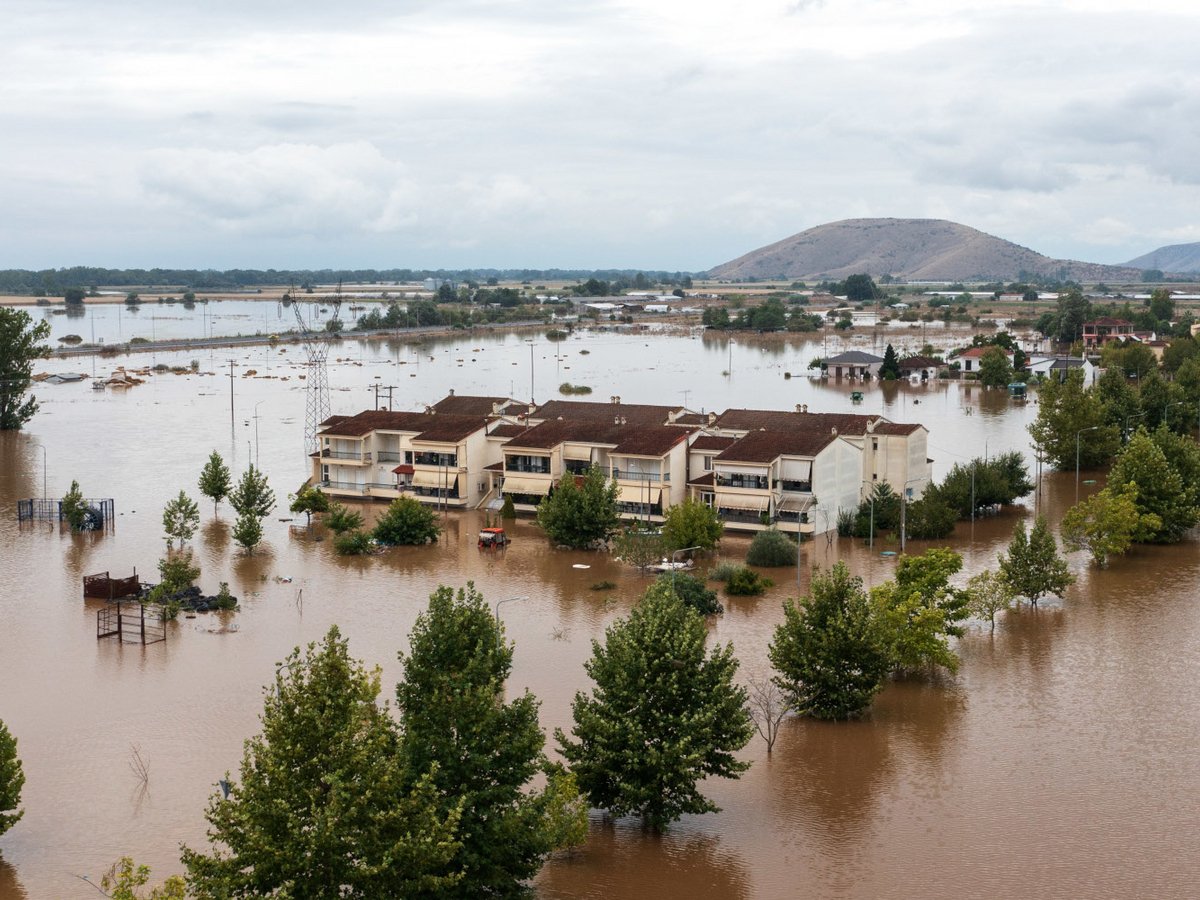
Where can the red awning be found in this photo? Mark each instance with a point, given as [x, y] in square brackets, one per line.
[403, 470]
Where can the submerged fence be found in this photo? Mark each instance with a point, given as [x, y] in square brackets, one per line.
[100, 513]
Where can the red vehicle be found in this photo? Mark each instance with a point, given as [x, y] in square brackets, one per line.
[490, 538]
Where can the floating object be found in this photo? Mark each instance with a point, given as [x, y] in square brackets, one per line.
[580, 566]
[888, 553]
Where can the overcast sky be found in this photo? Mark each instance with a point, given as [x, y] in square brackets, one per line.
[658, 134]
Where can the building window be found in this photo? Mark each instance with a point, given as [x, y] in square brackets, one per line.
[708, 464]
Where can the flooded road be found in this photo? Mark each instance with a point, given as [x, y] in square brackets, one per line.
[1059, 762]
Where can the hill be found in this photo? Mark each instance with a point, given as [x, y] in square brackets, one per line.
[912, 249]
[1178, 258]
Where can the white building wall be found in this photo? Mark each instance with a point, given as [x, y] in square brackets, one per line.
[837, 482]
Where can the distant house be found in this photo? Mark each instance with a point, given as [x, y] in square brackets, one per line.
[970, 359]
[1057, 367]
[1105, 330]
[854, 364]
[923, 367]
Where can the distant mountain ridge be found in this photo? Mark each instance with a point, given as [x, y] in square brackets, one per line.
[912, 249]
[1183, 259]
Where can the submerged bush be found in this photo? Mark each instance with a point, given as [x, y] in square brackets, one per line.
[771, 548]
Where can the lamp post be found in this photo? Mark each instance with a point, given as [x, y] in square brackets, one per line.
[675, 553]
[1078, 435]
[903, 511]
[45, 476]
[256, 406]
[1128, 419]
[1167, 406]
[498, 605]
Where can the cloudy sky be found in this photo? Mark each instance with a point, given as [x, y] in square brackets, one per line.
[661, 134]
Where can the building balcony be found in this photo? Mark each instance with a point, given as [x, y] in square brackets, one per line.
[347, 456]
[385, 456]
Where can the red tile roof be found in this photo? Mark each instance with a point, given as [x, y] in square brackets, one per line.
[783, 420]
[635, 440]
[463, 405]
[585, 411]
[895, 428]
[764, 446]
[426, 426]
[712, 442]
[1109, 321]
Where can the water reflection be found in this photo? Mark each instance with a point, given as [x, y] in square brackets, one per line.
[10, 886]
[622, 860]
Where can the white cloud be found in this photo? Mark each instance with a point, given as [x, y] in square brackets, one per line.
[655, 133]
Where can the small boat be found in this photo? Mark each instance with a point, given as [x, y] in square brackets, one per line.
[490, 538]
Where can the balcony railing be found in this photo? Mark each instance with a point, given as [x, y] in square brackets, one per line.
[530, 469]
[748, 482]
[345, 486]
[627, 475]
[346, 454]
[389, 456]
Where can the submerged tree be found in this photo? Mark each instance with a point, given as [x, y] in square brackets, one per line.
[831, 652]
[125, 880]
[309, 500]
[74, 508]
[919, 610]
[20, 345]
[1032, 565]
[248, 532]
[341, 519]
[1162, 491]
[989, 593]
[406, 521]
[12, 779]
[662, 717]
[1068, 412]
[215, 480]
[581, 515]
[1106, 523]
[483, 751]
[180, 518]
[253, 496]
[691, 524]
[324, 806]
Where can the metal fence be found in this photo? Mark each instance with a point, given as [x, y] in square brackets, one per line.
[100, 513]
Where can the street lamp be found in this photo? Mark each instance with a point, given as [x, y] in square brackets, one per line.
[675, 553]
[1128, 419]
[500, 603]
[903, 510]
[1167, 406]
[1078, 435]
[256, 406]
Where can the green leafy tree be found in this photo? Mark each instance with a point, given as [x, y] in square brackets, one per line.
[989, 593]
[1032, 565]
[1066, 414]
[920, 611]
[508, 509]
[177, 572]
[406, 521]
[483, 750]
[994, 368]
[1160, 488]
[248, 532]
[352, 543]
[253, 496]
[180, 518]
[20, 344]
[215, 479]
[690, 590]
[325, 806]
[691, 524]
[12, 779]
[663, 716]
[1133, 359]
[341, 519]
[1122, 408]
[860, 289]
[1162, 307]
[771, 548]
[890, 370]
[74, 508]
[1105, 523]
[125, 880]
[583, 515]
[309, 500]
[831, 651]
[639, 546]
[566, 819]
[74, 295]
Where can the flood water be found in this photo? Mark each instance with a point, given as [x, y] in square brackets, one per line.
[1059, 762]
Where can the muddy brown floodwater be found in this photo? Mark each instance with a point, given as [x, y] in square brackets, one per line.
[1059, 762]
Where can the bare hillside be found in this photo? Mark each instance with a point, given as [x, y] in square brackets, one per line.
[913, 249]
[1179, 258]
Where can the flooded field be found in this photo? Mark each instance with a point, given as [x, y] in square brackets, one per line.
[1059, 762]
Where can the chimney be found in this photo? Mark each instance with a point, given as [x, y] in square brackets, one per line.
[451, 392]
[615, 399]
[833, 431]
[871, 426]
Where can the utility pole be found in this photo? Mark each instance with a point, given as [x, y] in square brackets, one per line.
[232, 424]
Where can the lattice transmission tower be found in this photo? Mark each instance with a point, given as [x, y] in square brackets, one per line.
[316, 347]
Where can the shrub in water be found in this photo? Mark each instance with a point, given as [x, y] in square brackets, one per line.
[771, 548]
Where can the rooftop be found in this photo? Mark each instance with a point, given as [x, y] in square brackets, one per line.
[585, 411]
[785, 420]
[464, 405]
[765, 446]
[854, 357]
[633, 439]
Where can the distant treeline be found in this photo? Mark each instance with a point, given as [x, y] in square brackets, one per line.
[53, 282]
